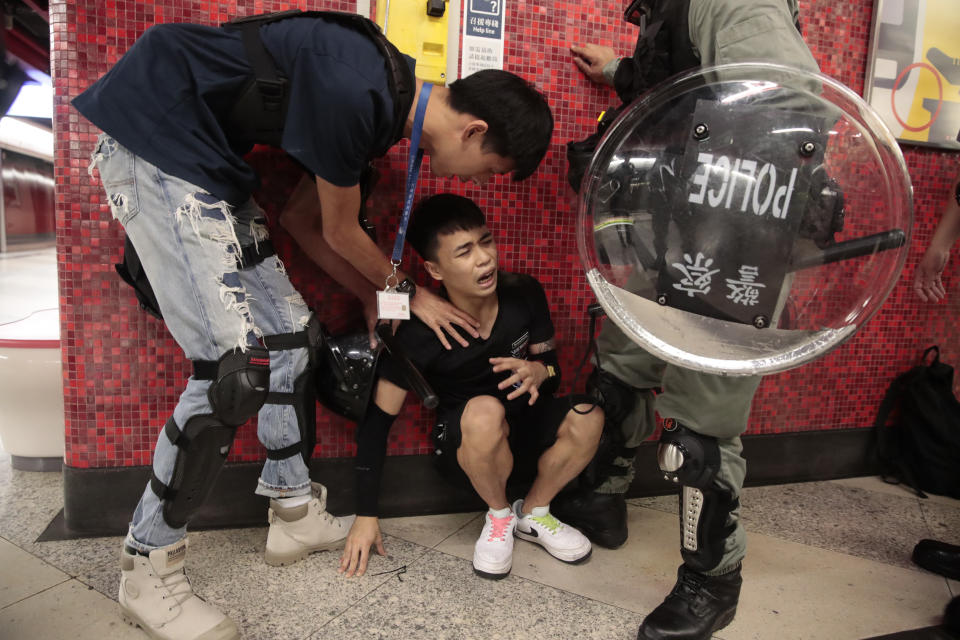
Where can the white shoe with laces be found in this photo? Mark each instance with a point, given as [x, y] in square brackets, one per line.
[156, 596]
[493, 553]
[561, 541]
[296, 532]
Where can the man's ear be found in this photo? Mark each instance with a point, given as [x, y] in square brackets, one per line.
[473, 128]
[433, 270]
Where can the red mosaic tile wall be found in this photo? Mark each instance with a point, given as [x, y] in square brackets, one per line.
[123, 372]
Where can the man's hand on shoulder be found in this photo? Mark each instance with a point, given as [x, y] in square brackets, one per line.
[529, 374]
[441, 316]
[364, 534]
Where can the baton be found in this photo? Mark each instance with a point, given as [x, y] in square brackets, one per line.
[855, 248]
[413, 376]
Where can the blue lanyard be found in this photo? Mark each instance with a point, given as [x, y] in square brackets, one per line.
[413, 170]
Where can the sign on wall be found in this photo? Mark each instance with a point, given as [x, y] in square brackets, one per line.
[483, 29]
[913, 72]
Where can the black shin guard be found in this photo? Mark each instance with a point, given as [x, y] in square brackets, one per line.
[240, 382]
[203, 444]
[693, 461]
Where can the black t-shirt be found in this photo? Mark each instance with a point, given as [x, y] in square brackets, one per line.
[462, 373]
[167, 98]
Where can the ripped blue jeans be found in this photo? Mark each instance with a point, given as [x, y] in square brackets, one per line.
[188, 241]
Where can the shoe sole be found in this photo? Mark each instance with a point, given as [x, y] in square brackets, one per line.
[724, 620]
[539, 542]
[277, 559]
[721, 622]
[135, 622]
[492, 576]
[493, 572]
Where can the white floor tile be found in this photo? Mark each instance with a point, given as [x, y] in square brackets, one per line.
[69, 610]
[427, 531]
[24, 575]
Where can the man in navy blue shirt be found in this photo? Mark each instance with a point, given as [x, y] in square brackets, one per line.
[171, 162]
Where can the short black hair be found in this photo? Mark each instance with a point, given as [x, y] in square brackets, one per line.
[517, 115]
[438, 215]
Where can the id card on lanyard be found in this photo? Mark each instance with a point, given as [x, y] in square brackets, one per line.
[393, 304]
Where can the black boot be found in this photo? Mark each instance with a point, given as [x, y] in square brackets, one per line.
[602, 517]
[698, 605]
[938, 557]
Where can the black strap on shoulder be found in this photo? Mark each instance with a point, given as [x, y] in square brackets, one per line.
[260, 113]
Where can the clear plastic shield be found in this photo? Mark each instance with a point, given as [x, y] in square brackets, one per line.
[744, 219]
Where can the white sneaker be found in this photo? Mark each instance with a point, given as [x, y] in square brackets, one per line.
[561, 541]
[493, 553]
[296, 532]
[156, 596]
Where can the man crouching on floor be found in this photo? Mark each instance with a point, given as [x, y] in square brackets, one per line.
[496, 398]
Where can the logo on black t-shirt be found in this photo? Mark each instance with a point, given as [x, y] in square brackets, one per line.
[519, 347]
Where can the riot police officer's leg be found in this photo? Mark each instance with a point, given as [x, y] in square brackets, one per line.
[623, 384]
[699, 450]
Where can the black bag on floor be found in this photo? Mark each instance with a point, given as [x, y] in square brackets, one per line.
[922, 446]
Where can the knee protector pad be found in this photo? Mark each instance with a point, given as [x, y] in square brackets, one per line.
[202, 448]
[693, 460]
[617, 400]
[240, 385]
[615, 396]
[687, 457]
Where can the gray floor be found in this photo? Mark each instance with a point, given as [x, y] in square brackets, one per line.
[826, 560]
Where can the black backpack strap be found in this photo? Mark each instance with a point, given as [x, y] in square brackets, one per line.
[260, 113]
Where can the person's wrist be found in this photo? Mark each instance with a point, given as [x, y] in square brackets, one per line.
[610, 69]
[547, 373]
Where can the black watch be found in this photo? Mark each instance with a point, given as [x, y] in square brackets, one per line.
[407, 286]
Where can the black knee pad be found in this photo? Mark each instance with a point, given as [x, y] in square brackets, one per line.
[687, 457]
[693, 460]
[615, 396]
[617, 400]
[240, 385]
[202, 447]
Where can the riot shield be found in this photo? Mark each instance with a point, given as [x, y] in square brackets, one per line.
[744, 219]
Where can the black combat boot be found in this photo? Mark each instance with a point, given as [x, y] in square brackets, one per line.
[698, 605]
[602, 517]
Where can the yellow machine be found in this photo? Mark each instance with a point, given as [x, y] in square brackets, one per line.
[418, 28]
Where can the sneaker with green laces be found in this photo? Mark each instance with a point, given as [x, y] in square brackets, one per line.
[561, 541]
